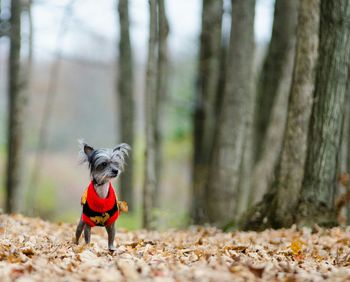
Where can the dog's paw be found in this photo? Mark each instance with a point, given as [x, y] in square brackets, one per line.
[112, 249]
[75, 241]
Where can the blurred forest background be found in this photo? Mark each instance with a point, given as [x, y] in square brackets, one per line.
[235, 110]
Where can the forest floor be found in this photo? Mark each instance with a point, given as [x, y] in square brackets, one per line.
[35, 250]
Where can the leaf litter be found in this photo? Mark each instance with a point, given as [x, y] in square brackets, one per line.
[35, 250]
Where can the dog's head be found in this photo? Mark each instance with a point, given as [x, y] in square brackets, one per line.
[104, 164]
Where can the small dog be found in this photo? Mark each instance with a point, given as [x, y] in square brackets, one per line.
[99, 201]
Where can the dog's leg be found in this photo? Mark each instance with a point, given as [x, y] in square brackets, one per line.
[111, 234]
[79, 230]
[87, 233]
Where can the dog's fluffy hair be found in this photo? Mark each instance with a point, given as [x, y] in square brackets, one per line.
[113, 159]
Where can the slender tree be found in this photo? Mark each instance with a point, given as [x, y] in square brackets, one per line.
[319, 184]
[264, 169]
[205, 116]
[282, 40]
[150, 181]
[224, 176]
[125, 97]
[17, 99]
[162, 85]
[273, 89]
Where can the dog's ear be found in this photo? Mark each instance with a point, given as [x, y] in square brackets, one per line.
[88, 150]
[119, 153]
[123, 148]
[85, 151]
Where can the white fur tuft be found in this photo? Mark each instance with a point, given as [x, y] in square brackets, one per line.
[120, 152]
[83, 158]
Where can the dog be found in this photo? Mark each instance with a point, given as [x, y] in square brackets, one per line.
[99, 201]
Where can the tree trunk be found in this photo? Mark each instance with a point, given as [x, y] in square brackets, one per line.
[162, 84]
[126, 98]
[205, 116]
[282, 40]
[150, 180]
[319, 184]
[278, 207]
[17, 102]
[224, 176]
[273, 90]
[290, 171]
[264, 169]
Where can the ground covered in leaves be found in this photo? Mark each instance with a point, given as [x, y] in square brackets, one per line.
[35, 250]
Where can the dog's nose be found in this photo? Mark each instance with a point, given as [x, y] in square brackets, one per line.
[115, 171]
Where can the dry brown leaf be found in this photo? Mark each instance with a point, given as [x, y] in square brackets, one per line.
[123, 206]
[296, 246]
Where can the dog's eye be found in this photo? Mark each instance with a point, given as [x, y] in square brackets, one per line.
[102, 165]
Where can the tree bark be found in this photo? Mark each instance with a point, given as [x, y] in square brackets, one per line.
[278, 207]
[264, 169]
[150, 180]
[17, 100]
[162, 85]
[227, 157]
[205, 116]
[290, 171]
[282, 40]
[319, 184]
[125, 98]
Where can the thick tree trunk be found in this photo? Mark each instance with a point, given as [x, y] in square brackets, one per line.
[205, 116]
[319, 184]
[224, 176]
[162, 84]
[150, 180]
[17, 101]
[126, 98]
[290, 171]
[282, 40]
[278, 207]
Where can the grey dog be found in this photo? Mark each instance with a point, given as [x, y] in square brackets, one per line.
[104, 164]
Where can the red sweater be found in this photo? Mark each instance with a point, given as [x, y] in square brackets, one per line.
[98, 211]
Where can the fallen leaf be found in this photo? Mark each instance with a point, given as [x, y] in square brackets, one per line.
[296, 246]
